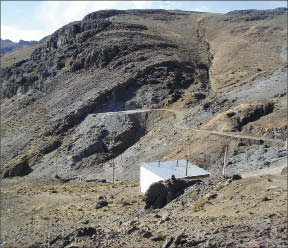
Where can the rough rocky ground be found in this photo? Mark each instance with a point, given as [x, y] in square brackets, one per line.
[250, 212]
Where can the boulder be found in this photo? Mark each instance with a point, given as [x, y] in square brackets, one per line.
[236, 177]
[147, 235]
[162, 192]
[155, 196]
[100, 204]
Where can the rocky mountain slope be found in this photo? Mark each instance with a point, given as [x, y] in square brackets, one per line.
[122, 87]
[8, 45]
[221, 72]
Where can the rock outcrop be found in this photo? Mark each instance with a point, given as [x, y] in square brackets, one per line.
[161, 193]
[18, 167]
[96, 42]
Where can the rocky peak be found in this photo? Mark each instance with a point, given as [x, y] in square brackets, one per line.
[73, 32]
[102, 14]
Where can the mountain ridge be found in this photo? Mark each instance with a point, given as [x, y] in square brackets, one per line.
[8, 45]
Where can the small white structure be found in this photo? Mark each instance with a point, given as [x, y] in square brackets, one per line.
[156, 171]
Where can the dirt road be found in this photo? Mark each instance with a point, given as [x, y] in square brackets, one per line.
[179, 115]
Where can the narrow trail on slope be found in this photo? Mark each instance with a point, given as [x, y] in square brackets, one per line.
[179, 116]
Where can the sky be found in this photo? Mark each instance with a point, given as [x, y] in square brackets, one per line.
[33, 20]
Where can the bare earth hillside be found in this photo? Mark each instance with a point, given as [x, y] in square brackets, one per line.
[122, 87]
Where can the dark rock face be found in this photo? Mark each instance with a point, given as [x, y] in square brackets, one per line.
[48, 147]
[163, 192]
[19, 168]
